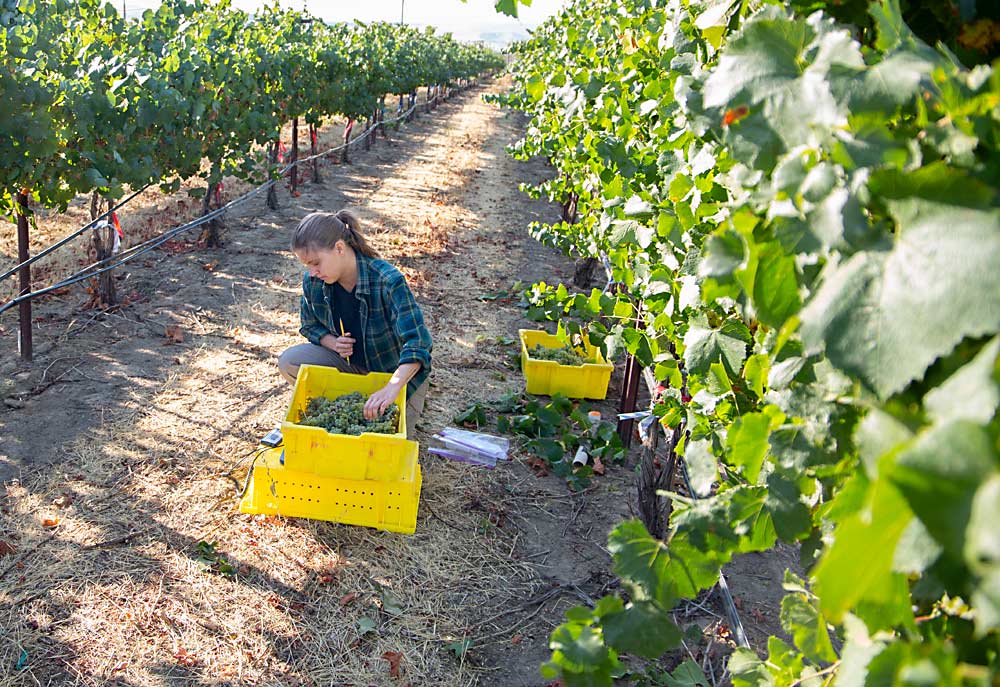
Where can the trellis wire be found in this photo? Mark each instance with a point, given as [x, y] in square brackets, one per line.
[102, 266]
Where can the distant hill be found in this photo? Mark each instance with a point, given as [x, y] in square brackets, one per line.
[502, 38]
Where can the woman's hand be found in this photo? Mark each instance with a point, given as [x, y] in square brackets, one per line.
[341, 345]
[379, 401]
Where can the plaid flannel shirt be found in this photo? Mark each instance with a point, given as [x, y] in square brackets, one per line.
[394, 330]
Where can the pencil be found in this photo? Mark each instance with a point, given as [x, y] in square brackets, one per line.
[343, 334]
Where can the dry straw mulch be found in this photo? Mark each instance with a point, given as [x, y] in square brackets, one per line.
[128, 562]
[112, 583]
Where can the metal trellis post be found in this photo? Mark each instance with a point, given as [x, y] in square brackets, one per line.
[24, 279]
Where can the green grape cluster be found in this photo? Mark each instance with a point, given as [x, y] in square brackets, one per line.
[346, 415]
[567, 355]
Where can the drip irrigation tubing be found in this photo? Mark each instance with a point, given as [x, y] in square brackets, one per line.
[119, 259]
[66, 239]
[732, 612]
[727, 598]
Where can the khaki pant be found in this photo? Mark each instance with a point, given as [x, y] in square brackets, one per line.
[311, 354]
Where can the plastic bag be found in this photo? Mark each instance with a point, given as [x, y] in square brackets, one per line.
[469, 447]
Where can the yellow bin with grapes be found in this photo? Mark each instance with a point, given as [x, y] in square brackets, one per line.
[548, 377]
[314, 450]
[391, 504]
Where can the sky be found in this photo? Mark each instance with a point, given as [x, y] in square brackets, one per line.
[466, 20]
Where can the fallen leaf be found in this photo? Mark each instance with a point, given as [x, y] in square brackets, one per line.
[393, 657]
[50, 522]
[598, 466]
[517, 639]
[174, 333]
[348, 598]
[185, 659]
[6, 548]
[175, 247]
[62, 501]
[538, 466]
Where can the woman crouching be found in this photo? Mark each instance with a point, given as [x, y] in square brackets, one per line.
[358, 314]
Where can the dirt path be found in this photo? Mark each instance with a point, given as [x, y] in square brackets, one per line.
[123, 446]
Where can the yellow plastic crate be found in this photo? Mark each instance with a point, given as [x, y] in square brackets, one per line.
[549, 377]
[313, 449]
[275, 489]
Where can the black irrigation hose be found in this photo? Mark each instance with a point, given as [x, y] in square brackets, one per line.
[121, 258]
[67, 239]
[727, 598]
[133, 252]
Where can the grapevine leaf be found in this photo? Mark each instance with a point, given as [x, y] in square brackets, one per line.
[638, 208]
[754, 522]
[802, 620]
[693, 568]
[782, 373]
[982, 546]
[986, 599]
[761, 60]
[805, 106]
[858, 652]
[702, 466]
[747, 444]
[756, 371]
[916, 550]
[934, 182]
[870, 536]
[705, 345]
[95, 178]
[641, 561]
[775, 287]
[892, 30]
[642, 629]
[748, 670]
[724, 254]
[793, 451]
[718, 381]
[783, 666]
[792, 520]
[687, 674]
[876, 316]
[939, 476]
[509, 7]
[877, 434]
[623, 232]
[578, 649]
[969, 394]
[883, 87]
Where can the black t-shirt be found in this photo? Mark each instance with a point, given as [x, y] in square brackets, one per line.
[347, 308]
